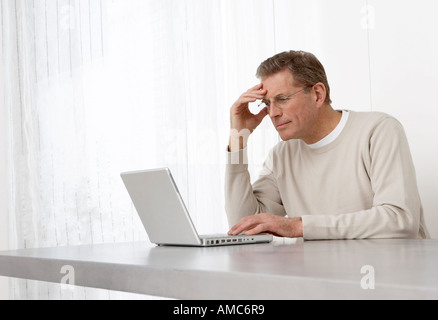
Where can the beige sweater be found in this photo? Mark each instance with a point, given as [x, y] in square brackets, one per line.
[362, 185]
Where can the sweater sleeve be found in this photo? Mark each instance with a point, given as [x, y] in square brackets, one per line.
[243, 199]
[396, 209]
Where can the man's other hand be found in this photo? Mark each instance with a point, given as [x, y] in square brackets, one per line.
[268, 223]
[243, 122]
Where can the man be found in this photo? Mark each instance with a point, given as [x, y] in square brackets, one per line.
[335, 175]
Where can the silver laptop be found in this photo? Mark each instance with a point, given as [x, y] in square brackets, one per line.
[165, 216]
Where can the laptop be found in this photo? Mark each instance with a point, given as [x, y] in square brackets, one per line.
[165, 217]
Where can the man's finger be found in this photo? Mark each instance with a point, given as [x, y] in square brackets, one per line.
[260, 228]
[243, 101]
[257, 87]
[251, 97]
[244, 225]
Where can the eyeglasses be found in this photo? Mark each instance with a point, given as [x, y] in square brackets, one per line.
[280, 100]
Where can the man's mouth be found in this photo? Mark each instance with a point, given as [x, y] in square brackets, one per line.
[283, 124]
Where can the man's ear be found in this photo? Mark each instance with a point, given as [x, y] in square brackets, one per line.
[320, 93]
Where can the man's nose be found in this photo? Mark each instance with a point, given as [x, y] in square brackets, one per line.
[274, 111]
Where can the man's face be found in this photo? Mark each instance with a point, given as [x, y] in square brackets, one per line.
[293, 110]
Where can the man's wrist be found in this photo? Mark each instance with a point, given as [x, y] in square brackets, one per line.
[299, 225]
[238, 139]
[296, 229]
[236, 146]
[235, 159]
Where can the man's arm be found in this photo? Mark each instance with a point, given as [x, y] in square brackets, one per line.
[241, 198]
[396, 210]
[242, 121]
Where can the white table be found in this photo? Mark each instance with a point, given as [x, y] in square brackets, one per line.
[403, 269]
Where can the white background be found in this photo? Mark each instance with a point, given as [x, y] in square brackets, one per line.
[379, 56]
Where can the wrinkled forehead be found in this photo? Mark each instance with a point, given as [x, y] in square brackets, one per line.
[280, 83]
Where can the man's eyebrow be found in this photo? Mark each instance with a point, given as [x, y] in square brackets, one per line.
[280, 95]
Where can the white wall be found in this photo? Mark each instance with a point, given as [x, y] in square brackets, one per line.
[379, 56]
[404, 65]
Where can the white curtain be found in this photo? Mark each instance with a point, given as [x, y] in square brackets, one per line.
[97, 87]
